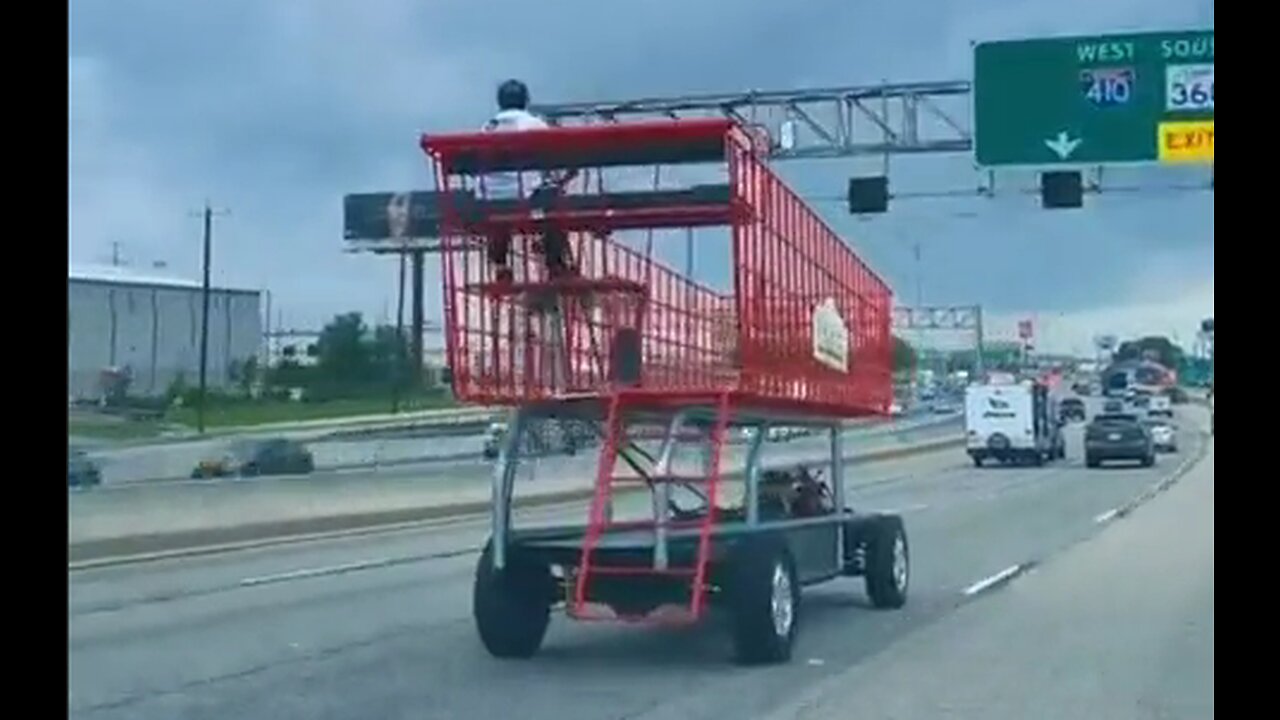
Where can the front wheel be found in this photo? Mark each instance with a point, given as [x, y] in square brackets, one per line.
[888, 573]
[512, 606]
[764, 600]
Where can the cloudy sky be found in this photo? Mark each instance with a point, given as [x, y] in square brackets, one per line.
[276, 109]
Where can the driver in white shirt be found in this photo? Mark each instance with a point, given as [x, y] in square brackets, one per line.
[513, 116]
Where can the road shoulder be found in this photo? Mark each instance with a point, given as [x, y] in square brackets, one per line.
[1120, 626]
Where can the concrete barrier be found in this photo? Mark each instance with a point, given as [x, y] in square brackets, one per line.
[111, 528]
[156, 464]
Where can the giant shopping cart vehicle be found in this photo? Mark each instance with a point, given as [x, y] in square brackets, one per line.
[557, 305]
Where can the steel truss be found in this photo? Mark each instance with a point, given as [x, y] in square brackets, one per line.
[886, 119]
[964, 317]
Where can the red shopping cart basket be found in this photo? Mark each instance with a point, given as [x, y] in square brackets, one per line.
[579, 307]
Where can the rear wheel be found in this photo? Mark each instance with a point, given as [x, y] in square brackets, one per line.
[764, 600]
[888, 554]
[512, 606]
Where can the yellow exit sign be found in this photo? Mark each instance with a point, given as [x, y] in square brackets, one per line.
[1185, 142]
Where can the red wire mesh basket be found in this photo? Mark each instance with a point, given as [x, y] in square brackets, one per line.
[804, 328]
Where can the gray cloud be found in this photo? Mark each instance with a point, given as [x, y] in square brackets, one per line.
[278, 109]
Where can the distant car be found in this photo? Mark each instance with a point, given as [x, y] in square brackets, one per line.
[785, 433]
[1118, 437]
[1072, 410]
[1164, 435]
[1160, 406]
[82, 471]
[1113, 407]
[493, 437]
[540, 439]
[254, 458]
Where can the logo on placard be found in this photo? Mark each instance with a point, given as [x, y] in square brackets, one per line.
[830, 336]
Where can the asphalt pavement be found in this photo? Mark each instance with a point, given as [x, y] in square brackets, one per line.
[379, 626]
[1119, 627]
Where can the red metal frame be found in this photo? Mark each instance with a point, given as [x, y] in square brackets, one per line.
[623, 329]
[755, 344]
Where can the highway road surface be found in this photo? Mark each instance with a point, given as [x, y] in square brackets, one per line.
[1119, 628]
[379, 626]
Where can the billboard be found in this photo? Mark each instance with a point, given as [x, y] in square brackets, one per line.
[391, 216]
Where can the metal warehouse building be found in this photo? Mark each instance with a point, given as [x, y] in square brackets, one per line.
[151, 326]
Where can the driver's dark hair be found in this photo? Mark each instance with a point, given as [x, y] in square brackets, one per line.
[513, 95]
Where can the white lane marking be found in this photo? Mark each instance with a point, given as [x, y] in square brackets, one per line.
[989, 582]
[308, 573]
[1106, 517]
[918, 507]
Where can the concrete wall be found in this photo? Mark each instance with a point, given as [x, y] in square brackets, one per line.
[155, 330]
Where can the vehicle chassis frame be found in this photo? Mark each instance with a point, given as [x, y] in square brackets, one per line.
[843, 559]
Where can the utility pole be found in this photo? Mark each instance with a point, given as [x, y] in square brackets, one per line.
[205, 292]
[418, 321]
[980, 367]
[920, 332]
[397, 359]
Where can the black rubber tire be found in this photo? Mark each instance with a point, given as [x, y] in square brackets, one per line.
[1091, 461]
[882, 586]
[977, 461]
[512, 607]
[1149, 460]
[749, 581]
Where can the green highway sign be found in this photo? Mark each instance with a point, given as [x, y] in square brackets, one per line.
[1142, 97]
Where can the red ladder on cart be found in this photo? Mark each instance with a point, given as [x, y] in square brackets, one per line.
[600, 523]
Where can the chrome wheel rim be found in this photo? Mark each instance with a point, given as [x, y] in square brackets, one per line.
[782, 601]
[901, 569]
